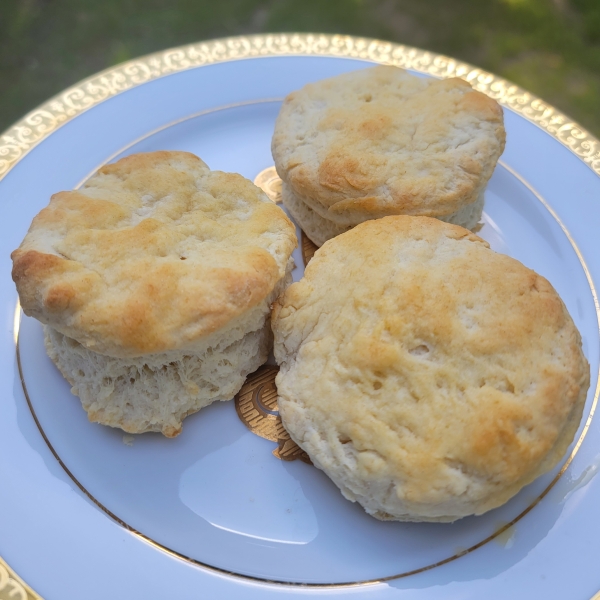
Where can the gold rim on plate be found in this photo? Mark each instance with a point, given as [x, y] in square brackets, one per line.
[12, 587]
[24, 135]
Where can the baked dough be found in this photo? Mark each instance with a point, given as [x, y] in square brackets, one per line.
[430, 377]
[380, 141]
[156, 261]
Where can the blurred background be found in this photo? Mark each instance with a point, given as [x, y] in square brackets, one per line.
[549, 47]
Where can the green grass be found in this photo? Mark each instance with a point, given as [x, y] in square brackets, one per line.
[550, 47]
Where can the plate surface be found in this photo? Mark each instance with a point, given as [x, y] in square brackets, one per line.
[213, 513]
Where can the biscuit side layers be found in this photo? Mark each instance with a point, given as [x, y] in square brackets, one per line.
[430, 377]
[156, 392]
[319, 230]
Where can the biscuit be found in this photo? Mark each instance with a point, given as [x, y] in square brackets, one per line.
[428, 376]
[380, 141]
[154, 281]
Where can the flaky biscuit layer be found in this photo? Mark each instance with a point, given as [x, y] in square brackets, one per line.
[319, 229]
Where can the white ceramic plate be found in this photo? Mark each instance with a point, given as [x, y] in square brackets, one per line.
[88, 513]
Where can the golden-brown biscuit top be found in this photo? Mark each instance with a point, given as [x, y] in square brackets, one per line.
[381, 141]
[451, 372]
[153, 253]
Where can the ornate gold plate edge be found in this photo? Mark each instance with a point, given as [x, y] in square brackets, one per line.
[12, 587]
[24, 135]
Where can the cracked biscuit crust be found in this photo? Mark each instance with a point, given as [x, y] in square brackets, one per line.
[156, 252]
[430, 377]
[380, 141]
